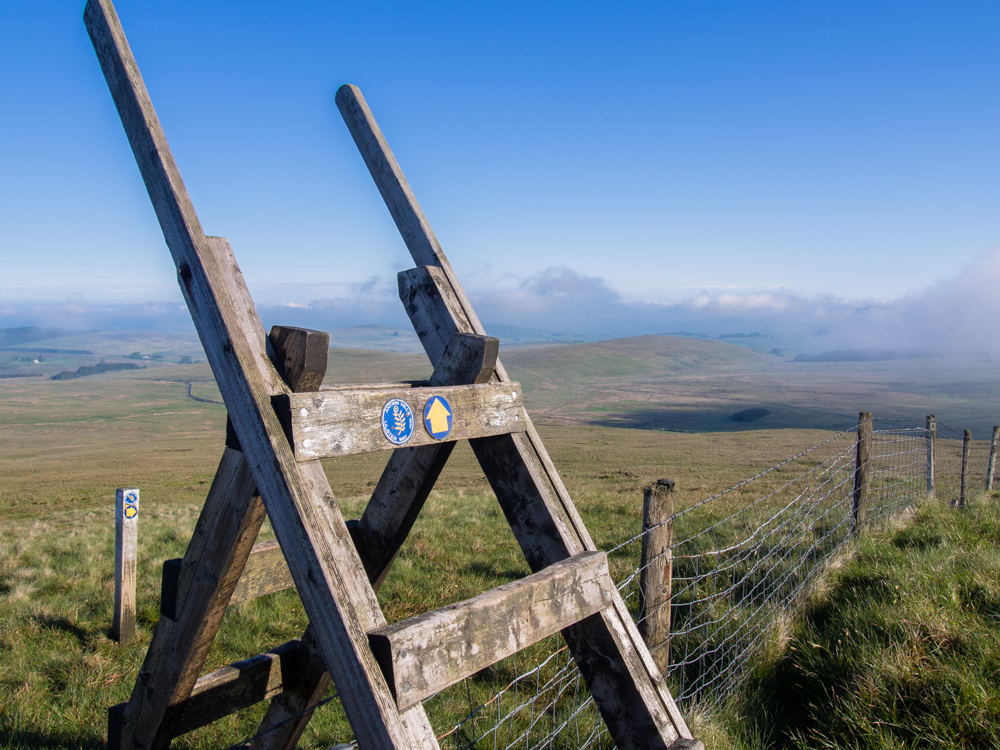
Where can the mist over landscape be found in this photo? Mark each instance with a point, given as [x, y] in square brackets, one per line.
[953, 317]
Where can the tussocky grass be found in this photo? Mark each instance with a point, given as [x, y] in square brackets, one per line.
[900, 648]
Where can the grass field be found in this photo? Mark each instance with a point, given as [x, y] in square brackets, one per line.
[67, 445]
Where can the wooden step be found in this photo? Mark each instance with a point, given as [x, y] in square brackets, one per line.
[422, 655]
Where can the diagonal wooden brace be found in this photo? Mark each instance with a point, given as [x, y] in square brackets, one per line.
[625, 683]
[307, 522]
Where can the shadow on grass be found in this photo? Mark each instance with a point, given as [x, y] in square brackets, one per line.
[14, 739]
[63, 625]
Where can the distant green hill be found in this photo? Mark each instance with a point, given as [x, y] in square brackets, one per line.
[28, 334]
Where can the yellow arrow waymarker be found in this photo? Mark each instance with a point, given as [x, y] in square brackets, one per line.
[437, 417]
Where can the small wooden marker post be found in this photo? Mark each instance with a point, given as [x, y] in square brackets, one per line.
[993, 458]
[966, 450]
[931, 439]
[126, 547]
[861, 471]
[656, 569]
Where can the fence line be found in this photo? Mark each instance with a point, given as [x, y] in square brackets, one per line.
[742, 560]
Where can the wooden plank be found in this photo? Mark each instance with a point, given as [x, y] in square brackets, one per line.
[328, 574]
[126, 550]
[234, 687]
[422, 655]
[302, 354]
[631, 695]
[345, 422]
[656, 570]
[265, 572]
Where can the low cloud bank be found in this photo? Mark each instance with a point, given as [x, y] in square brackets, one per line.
[955, 316]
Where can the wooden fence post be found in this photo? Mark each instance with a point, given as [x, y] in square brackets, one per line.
[656, 569]
[931, 439]
[966, 450]
[126, 546]
[861, 471]
[993, 458]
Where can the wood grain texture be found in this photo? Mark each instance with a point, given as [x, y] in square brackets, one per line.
[862, 471]
[339, 604]
[931, 440]
[126, 552]
[966, 457]
[631, 695]
[345, 422]
[302, 354]
[306, 678]
[265, 572]
[422, 655]
[992, 463]
[656, 571]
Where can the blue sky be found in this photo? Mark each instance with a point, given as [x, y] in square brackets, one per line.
[662, 151]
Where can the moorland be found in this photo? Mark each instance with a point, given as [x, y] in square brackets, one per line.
[615, 416]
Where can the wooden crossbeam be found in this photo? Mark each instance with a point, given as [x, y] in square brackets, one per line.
[265, 572]
[425, 654]
[631, 695]
[343, 422]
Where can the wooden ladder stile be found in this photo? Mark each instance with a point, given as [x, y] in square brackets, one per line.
[281, 422]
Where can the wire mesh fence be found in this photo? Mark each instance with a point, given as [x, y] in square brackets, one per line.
[742, 560]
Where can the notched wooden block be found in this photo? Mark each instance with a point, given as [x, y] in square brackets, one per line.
[302, 355]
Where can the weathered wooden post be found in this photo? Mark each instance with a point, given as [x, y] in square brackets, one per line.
[656, 569]
[931, 439]
[126, 547]
[861, 471]
[966, 450]
[993, 458]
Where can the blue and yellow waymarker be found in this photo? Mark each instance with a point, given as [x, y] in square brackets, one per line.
[131, 504]
[437, 417]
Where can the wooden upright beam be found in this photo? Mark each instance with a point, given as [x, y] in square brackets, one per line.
[126, 552]
[966, 460]
[631, 694]
[656, 569]
[862, 471]
[324, 563]
[302, 355]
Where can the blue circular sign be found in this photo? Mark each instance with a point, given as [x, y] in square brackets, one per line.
[397, 421]
[437, 417]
